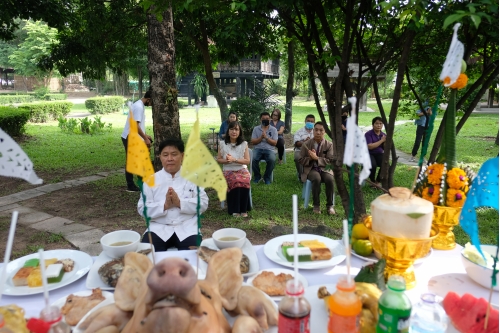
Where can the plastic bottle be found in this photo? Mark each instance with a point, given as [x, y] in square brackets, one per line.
[345, 308]
[3, 329]
[294, 310]
[52, 315]
[428, 316]
[394, 307]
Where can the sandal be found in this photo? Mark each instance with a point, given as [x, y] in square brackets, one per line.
[236, 215]
[244, 214]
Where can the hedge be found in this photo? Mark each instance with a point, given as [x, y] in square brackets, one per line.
[182, 104]
[55, 97]
[101, 105]
[40, 112]
[9, 99]
[12, 120]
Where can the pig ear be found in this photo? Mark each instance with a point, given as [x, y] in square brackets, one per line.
[134, 274]
[224, 269]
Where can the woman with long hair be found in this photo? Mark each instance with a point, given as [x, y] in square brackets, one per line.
[277, 123]
[234, 157]
[223, 127]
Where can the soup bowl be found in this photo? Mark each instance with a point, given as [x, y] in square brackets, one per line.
[229, 237]
[115, 244]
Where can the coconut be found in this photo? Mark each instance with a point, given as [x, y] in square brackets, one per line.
[402, 215]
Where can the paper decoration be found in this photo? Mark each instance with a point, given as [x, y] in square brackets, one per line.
[138, 158]
[453, 63]
[14, 162]
[199, 166]
[482, 193]
[356, 149]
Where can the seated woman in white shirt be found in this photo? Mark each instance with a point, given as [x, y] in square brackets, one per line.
[234, 157]
[171, 202]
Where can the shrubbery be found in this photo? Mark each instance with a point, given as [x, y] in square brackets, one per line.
[85, 125]
[13, 120]
[102, 105]
[55, 97]
[182, 104]
[248, 111]
[9, 99]
[40, 112]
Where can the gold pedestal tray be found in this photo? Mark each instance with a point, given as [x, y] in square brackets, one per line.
[400, 253]
[445, 219]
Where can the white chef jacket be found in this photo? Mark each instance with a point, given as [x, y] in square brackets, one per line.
[182, 221]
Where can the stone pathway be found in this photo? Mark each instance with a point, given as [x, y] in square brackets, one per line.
[85, 238]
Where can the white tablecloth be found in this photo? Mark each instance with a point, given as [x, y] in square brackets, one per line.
[440, 273]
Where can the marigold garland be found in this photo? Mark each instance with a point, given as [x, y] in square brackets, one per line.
[431, 194]
[455, 198]
[434, 173]
[460, 83]
[457, 179]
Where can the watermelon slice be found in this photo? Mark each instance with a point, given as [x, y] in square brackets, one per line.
[468, 313]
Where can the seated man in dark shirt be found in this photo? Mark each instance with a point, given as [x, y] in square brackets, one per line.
[375, 139]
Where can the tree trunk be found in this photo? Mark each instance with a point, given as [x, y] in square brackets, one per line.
[139, 74]
[389, 124]
[496, 140]
[289, 85]
[161, 66]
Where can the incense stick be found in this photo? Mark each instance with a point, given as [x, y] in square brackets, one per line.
[347, 251]
[8, 250]
[44, 278]
[295, 242]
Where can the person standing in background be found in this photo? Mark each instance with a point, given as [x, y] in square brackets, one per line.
[420, 122]
[139, 114]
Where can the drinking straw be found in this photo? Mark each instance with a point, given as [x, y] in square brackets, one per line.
[44, 278]
[8, 250]
[295, 242]
[347, 251]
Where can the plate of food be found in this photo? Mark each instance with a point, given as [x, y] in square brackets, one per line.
[249, 263]
[61, 266]
[75, 306]
[373, 258]
[314, 251]
[272, 281]
[319, 312]
[105, 271]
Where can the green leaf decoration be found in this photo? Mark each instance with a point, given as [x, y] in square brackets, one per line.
[415, 215]
[373, 273]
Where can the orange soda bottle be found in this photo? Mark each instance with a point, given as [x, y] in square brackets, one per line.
[345, 308]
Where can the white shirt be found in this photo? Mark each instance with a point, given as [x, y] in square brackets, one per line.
[182, 221]
[302, 134]
[237, 152]
[139, 115]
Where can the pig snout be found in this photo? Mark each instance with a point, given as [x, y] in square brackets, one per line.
[174, 278]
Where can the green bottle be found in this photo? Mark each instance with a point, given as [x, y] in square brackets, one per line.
[394, 307]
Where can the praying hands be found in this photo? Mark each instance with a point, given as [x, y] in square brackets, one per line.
[171, 199]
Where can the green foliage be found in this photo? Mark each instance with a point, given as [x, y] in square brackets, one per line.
[13, 120]
[85, 125]
[55, 97]
[103, 105]
[248, 111]
[200, 85]
[10, 99]
[182, 104]
[40, 92]
[41, 112]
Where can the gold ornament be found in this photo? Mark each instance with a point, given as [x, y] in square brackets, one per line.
[445, 219]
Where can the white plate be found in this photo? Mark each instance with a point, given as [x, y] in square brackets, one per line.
[83, 262]
[247, 250]
[277, 271]
[94, 280]
[272, 250]
[372, 258]
[61, 301]
[319, 314]
[106, 302]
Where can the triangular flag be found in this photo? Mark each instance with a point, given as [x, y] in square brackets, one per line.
[482, 193]
[199, 166]
[453, 63]
[356, 149]
[14, 162]
[138, 158]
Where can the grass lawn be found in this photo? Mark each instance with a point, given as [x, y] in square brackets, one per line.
[58, 155]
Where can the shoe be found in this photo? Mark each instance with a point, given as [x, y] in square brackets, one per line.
[280, 162]
[256, 180]
[133, 189]
[236, 215]
[244, 214]
[316, 210]
[331, 211]
[412, 159]
[267, 182]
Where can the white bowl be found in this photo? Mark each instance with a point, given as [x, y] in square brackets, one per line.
[229, 232]
[120, 236]
[478, 273]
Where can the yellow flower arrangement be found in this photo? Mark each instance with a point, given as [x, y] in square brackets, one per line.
[455, 198]
[460, 83]
[431, 194]
[457, 179]
[434, 173]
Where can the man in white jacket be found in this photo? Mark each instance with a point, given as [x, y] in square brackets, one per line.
[171, 202]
